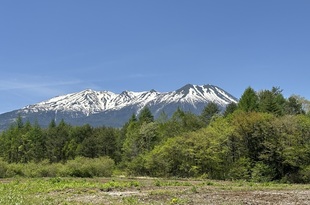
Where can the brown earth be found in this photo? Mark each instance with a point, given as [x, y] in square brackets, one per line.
[198, 192]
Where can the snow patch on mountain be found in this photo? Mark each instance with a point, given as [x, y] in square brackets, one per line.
[90, 102]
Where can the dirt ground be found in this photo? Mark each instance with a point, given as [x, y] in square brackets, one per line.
[197, 192]
[135, 191]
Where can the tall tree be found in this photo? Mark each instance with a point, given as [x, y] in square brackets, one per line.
[56, 140]
[210, 110]
[146, 115]
[230, 108]
[272, 101]
[304, 102]
[293, 106]
[248, 101]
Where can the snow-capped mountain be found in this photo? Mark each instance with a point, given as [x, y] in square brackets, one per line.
[111, 109]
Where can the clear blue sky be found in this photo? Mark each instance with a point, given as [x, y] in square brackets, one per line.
[50, 48]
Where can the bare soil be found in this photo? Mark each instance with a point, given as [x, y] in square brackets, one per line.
[199, 192]
[75, 191]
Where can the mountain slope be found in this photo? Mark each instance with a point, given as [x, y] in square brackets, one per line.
[110, 109]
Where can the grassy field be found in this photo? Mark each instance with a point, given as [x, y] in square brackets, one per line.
[147, 191]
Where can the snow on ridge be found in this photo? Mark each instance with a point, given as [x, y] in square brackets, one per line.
[89, 101]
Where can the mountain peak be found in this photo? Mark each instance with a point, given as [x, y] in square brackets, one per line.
[107, 107]
[185, 87]
[87, 90]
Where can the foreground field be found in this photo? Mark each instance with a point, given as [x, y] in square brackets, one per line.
[75, 191]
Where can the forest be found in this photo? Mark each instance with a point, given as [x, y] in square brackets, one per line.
[265, 137]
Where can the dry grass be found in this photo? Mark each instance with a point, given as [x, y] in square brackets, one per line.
[119, 191]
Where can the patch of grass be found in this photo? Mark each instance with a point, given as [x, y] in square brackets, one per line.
[194, 189]
[130, 200]
[120, 185]
[177, 200]
[160, 183]
[80, 191]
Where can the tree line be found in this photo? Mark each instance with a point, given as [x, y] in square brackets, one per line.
[264, 137]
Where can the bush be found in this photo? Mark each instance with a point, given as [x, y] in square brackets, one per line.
[79, 167]
[15, 170]
[86, 167]
[47, 169]
[240, 170]
[3, 168]
[42, 169]
[305, 174]
[262, 172]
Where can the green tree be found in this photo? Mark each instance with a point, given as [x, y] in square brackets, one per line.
[185, 121]
[107, 141]
[249, 130]
[272, 101]
[130, 146]
[304, 102]
[78, 145]
[293, 107]
[19, 122]
[210, 110]
[230, 108]
[57, 138]
[145, 115]
[190, 155]
[148, 136]
[248, 101]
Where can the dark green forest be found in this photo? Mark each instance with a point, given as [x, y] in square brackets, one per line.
[265, 137]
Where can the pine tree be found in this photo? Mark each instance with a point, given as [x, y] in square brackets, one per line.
[272, 101]
[248, 101]
[209, 111]
[19, 122]
[230, 108]
[146, 116]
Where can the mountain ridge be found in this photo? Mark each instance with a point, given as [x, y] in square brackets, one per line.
[109, 107]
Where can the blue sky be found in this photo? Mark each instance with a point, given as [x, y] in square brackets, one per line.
[50, 48]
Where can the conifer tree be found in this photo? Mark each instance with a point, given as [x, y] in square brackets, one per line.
[146, 115]
[272, 101]
[209, 111]
[230, 108]
[248, 101]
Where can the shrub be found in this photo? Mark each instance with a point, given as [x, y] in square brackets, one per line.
[47, 169]
[262, 172]
[86, 167]
[240, 169]
[42, 169]
[3, 168]
[305, 174]
[15, 170]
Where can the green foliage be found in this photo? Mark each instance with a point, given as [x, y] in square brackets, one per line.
[189, 155]
[85, 167]
[262, 172]
[264, 138]
[272, 101]
[3, 168]
[305, 174]
[248, 101]
[210, 110]
[294, 107]
[79, 167]
[240, 170]
[146, 115]
[230, 108]
[305, 103]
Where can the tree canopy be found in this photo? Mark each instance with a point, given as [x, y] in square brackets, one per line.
[264, 137]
